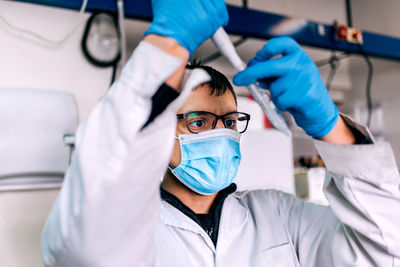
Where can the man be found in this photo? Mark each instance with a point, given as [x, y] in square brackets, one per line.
[109, 212]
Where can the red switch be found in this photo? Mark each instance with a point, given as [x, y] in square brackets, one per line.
[342, 32]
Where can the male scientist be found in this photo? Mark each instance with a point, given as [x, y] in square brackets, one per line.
[110, 214]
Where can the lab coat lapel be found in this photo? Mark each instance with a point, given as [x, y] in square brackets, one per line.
[234, 217]
[171, 216]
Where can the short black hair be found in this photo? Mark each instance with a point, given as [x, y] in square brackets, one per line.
[218, 84]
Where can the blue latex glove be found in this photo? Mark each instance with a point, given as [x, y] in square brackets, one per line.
[189, 22]
[296, 85]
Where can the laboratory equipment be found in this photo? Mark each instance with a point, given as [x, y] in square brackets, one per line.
[225, 46]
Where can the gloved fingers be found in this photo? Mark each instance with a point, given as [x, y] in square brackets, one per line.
[266, 69]
[278, 46]
[253, 61]
[284, 92]
[264, 83]
[287, 101]
[278, 104]
[190, 23]
[279, 86]
[290, 100]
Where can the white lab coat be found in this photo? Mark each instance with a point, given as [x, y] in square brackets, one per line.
[109, 213]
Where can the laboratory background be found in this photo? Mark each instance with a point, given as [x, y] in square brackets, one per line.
[58, 58]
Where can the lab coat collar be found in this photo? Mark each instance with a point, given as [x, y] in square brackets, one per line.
[233, 218]
[169, 215]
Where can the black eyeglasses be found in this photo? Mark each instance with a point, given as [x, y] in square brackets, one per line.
[199, 121]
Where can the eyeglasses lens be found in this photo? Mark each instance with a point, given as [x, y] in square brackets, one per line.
[236, 121]
[198, 122]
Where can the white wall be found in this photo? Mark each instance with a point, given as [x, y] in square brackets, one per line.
[25, 64]
[28, 65]
[22, 216]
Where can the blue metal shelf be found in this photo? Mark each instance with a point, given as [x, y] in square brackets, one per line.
[257, 24]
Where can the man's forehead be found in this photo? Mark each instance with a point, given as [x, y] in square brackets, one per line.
[201, 99]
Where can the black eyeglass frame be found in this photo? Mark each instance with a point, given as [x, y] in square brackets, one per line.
[217, 117]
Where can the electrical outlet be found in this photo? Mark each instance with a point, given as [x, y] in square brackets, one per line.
[348, 34]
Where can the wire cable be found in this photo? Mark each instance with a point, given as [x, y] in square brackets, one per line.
[369, 64]
[122, 32]
[348, 13]
[368, 86]
[114, 73]
[42, 40]
[334, 63]
[332, 72]
[327, 61]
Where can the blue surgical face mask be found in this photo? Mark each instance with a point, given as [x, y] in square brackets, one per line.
[209, 160]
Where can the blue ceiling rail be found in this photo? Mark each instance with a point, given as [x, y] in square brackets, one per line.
[258, 24]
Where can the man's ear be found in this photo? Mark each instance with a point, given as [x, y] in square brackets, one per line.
[175, 158]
